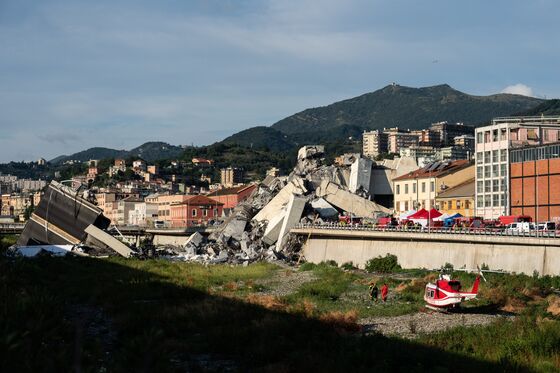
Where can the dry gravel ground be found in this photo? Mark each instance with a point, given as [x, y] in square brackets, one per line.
[426, 322]
[286, 281]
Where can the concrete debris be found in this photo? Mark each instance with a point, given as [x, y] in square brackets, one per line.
[109, 241]
[294, 210]
[259, 227]
[324, 209]
[39, 250]
[349, 202]
[65, 216]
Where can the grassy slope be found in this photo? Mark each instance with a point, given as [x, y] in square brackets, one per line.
[126, 315]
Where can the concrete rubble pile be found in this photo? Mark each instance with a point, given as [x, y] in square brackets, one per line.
[65, 221]
[258, 228]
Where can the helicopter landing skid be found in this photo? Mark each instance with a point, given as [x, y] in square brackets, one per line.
[437, 309]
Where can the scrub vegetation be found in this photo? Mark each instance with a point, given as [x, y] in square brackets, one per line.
[113, 314]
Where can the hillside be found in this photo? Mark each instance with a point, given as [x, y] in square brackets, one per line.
[149, 151]
[550, 107]
[391, 106]
[400, 106]
[261, 138]
[91, 153]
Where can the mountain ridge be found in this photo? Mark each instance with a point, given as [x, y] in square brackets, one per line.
[149, 151]
[390, 106]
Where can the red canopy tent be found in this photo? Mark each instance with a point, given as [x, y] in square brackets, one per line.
[434, 213]
[425, 214]
[420, 214]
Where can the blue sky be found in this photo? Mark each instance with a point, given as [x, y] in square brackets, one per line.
[77, 74]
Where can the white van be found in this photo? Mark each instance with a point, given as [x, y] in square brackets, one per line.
[521, 226]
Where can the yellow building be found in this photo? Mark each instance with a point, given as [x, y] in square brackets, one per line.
[458, 199]
[420, 188]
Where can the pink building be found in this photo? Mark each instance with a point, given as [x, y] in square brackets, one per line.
[196, 210]
[230, 197]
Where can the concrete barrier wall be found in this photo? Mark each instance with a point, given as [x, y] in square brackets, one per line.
[433, 254]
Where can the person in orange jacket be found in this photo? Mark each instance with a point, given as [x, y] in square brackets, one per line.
[384, 292]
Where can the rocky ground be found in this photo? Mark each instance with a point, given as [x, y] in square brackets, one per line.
[426, 322]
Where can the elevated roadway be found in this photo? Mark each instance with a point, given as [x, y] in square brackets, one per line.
[523, 252]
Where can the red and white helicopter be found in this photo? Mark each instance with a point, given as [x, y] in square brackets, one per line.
[446, 293]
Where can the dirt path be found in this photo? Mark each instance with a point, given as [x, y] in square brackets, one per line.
[410, 326]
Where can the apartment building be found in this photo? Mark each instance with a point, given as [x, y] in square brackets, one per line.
[535, 182]
[231, 176]
[231, 197]
[165, 201]
[492, 149]
[457, 199]
[398, 138]
[446, 132]
[374, 143]
[420, 188]
[196, 210]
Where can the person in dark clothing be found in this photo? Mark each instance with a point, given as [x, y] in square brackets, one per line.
[373, 291]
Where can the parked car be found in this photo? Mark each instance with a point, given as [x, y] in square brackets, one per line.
[520, 227]
[546, 226]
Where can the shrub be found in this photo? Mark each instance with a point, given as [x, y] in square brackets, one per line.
[386, 264]
[331, 263]
[347, 266]
[307, 266]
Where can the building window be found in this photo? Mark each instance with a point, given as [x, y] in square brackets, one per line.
[495, 135]
[532, 134]
[398, 189]
[458, 204]
[479, 157]
[495, 156]
[405, 205]
[487, 170]
[480, 186]
[503, 155]
[479, 172]
[502, 199]
[503, 169]
[503, 185]
[486, 136]
[495, 185]
[495, 200]
[193, 212]
[215, 212]
[487, 156]
[503, 134]
[487, 201]
[479, 137]
[205, 212]
[467, 204]
[479, 201]
[414, 188]
[432, 186]
[405, 188]
[487, 186]
[495, 170]
[423, 187]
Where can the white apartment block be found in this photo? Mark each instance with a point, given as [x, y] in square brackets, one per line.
[374, 143]
[492, 147]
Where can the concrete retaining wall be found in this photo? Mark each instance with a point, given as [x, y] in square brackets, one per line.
[504, 255]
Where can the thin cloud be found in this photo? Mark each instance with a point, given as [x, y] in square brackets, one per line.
[519, 89]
